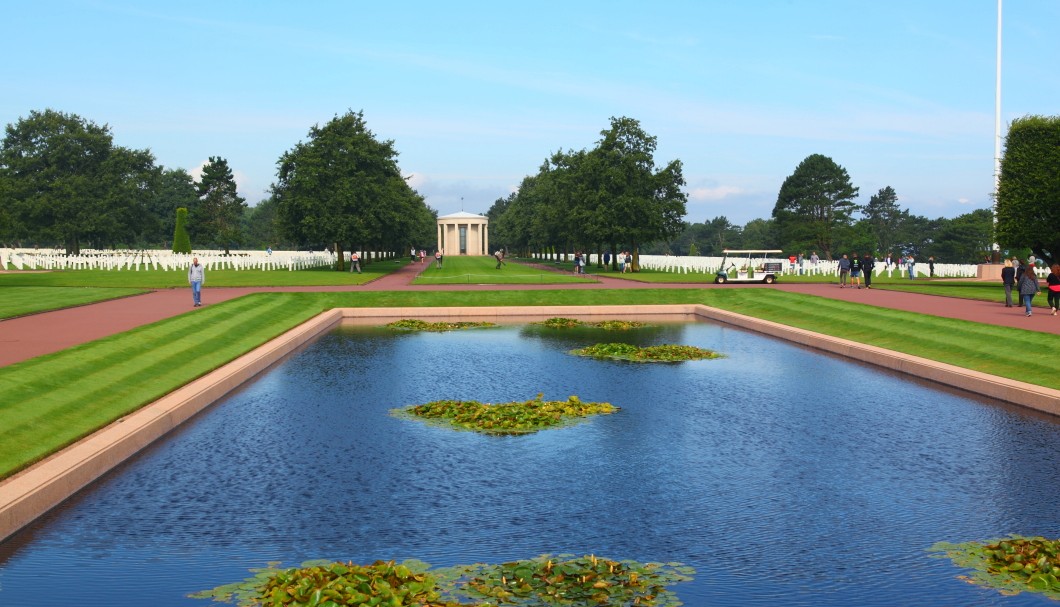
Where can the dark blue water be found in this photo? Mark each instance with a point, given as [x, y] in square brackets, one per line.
[783, 476]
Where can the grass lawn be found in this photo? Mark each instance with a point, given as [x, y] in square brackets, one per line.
[483, 270]
[27, 300]
[51, 401]
[161, 279]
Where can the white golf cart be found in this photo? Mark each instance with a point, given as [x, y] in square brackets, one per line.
[750, 265]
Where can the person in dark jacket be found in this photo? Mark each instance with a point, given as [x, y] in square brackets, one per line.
[867, 263]
[1053, 279]
[1008, 278]
[855, 270]
[844, 271]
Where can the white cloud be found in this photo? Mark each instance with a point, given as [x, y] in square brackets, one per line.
[716, 193]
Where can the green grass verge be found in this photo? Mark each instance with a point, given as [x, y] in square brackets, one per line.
[162, 279]
[29, 300]
[483, 271]
[51, 401]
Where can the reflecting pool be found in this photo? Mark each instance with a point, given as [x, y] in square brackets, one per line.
[781, 475]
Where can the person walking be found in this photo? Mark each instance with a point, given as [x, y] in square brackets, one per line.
[629, 262]
[844, 271]
[1028, 286]
[622, 262]
[1008, 278]
[855, 270]
[196, 278]
[500, 258]
[931, 267]
[910, 265]
[867, 263]
[1053, 280]
[355, 262]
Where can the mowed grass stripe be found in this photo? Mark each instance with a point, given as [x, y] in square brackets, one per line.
[988, 348]
[45, 426]
[54, 371]
[117, 358]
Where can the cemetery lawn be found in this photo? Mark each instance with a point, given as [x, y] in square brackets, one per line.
[162, 279]
[483, 270]
[51, 401]
[29, 300]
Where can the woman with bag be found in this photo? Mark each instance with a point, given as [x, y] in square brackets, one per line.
[1028, 287]
[1054, 287]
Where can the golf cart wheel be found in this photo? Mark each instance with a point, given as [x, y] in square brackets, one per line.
[719, 280]
[769, 279]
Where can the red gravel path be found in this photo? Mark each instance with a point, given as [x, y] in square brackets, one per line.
[30, 336]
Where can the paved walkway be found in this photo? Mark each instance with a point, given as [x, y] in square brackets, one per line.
[37, 334]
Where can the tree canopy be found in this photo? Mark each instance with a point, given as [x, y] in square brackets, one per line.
[67, 182]
[1028, 200]
[342, 187]
[610, 195]
[217, 218]
[815, 205]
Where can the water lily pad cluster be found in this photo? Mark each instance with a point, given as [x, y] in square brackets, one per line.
[519, 417]
[661, 353]
[412, 324]
[333, 584]
[609, 325]
[583, 581]
[562, 581]
[1012, 565]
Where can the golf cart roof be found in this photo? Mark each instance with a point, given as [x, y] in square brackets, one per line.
[752, 251]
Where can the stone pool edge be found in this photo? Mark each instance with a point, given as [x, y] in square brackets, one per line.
[29, 494]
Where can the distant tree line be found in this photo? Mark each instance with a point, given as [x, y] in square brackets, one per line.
[815, 212]
[610, 197]
[63, 182]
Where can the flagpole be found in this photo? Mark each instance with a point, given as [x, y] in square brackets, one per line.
[997, 131]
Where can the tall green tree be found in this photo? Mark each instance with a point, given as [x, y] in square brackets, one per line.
[342, 188]
[218, 215]
[884, 218]
[629, 199]
[814, 204]
[1028, 198]
[181, 239]
[66, 182]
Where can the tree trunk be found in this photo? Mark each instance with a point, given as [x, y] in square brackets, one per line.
[636, 258]
[340, 260]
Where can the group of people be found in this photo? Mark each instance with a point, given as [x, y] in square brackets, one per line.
[851, 269]
[1023, 276]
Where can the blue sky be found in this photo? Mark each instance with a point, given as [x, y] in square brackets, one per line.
[475, 95]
